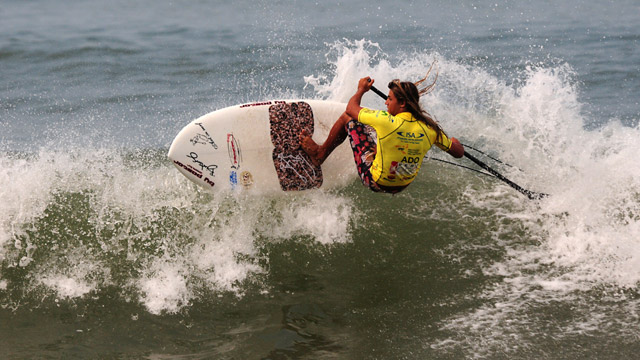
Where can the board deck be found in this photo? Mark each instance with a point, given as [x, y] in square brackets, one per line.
[255, 148]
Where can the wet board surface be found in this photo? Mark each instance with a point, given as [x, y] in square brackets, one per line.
[255, 147]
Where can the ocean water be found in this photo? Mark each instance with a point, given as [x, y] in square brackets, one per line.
[106, 251]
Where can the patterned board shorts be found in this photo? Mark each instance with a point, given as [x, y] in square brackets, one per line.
[363, 140]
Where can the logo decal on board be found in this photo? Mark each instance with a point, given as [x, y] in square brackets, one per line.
[235, 155]
[190, 169]
[246, 179]
[233, 179]
[209, 168]
[203, 139]
[262, 103]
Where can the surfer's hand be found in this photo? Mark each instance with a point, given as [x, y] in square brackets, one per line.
[456, 150]
[365, 84]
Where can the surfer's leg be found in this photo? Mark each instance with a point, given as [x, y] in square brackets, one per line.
[364, 149]
[337, 135]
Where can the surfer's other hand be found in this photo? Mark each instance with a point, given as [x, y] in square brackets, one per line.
[456, 150]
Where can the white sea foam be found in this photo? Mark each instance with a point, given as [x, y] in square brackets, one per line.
[67, 287]
[324, 216]
[26, 188]
[164, 286]
[179, 236]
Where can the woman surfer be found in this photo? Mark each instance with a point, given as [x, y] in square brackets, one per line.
[389, 158]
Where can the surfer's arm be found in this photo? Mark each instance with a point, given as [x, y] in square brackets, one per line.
[353, 107]
[451, 146]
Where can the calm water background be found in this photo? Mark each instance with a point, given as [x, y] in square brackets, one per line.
[107, 251]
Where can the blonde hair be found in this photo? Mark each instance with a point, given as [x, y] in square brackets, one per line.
[427, 89]
[409, 93]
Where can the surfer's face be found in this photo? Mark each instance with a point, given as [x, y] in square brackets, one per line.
[394, 107]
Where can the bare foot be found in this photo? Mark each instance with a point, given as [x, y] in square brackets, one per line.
[311, 148]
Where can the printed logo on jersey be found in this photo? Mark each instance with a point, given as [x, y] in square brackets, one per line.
[378, 114]
[390, 117]
[410, 160]
[392, 170]
[403, 149]
[407, 170]
[411, 137]
[382, 113]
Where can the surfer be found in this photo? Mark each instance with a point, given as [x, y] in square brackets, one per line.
[388, 146]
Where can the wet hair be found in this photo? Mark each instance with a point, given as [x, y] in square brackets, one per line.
[408, 92]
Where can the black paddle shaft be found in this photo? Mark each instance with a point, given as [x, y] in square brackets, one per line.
[530, 194]
[380, 93]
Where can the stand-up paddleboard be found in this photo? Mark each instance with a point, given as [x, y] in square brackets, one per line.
[256, 147]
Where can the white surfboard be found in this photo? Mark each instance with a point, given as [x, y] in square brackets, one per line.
[255, 147]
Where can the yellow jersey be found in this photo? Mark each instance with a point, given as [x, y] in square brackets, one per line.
[402, 143]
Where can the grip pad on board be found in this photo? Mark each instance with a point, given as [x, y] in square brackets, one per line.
[293, 166]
